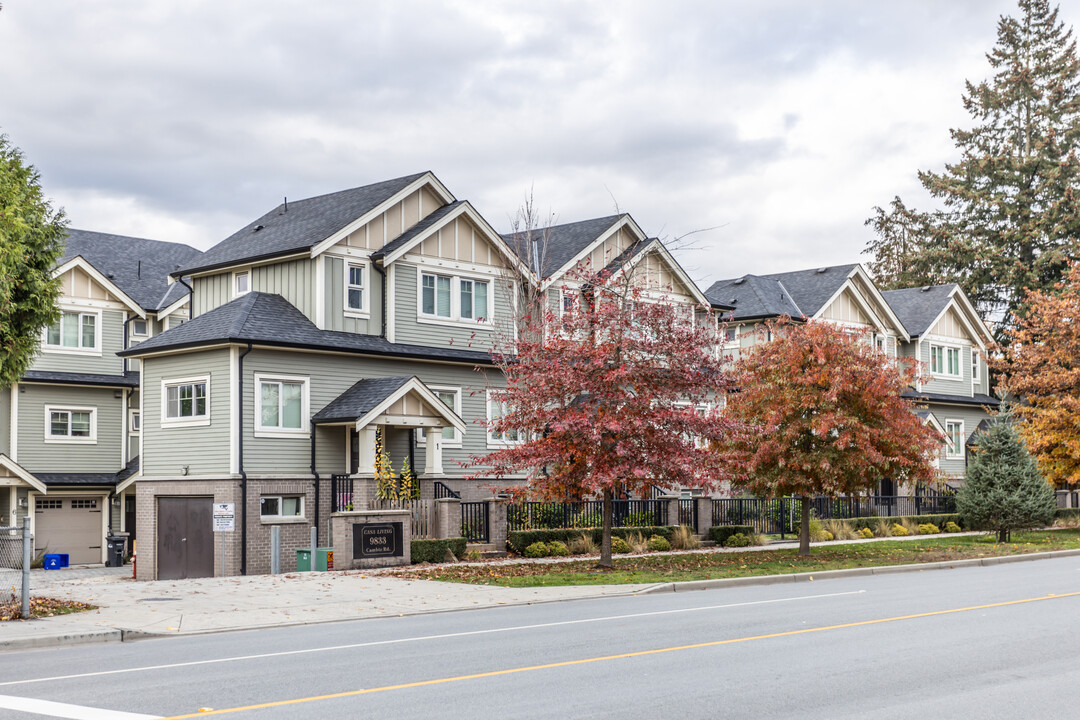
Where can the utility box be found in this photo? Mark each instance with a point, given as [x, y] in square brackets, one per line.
[324, 559]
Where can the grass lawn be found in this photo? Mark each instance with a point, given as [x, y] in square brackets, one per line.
[661, 568]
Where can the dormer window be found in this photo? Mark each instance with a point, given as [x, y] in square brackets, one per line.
[241, 283]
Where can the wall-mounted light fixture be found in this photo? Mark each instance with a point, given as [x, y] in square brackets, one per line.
[23, 503]
[183, 470]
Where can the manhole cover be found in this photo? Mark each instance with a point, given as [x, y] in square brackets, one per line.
[156, 599]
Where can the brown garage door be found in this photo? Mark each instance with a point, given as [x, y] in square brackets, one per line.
[69, 525]
[185, 544]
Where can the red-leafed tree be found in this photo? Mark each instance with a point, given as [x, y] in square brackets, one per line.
[819, 412]
[616, 391]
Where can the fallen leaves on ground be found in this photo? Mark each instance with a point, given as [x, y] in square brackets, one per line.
[41, 607]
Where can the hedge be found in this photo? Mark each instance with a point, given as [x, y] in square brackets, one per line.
[939, 520]
[1066, 513]
[720, 533]
[435, 550]
[521, 539]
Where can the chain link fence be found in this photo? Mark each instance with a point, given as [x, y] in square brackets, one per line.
[16, 549]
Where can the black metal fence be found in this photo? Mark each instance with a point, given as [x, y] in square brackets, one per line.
[779, 516]
[474, 521]
[586, 514]
[444, 491]
[341, 493]
[688, 512]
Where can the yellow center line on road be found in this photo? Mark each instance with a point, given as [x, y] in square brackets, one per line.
[620, 656]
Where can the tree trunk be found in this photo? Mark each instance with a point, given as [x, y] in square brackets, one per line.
[605, 538]
[1003, 536]
[804, 527]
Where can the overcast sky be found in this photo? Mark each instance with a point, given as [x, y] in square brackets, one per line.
[778, 124]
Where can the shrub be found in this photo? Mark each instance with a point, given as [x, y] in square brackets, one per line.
[866, 533]
[684, 538]
[817, 532]
[720, 533]
[738, 540]
[518, 540]
[929, 529]
[882, 528]
[582, 544]
[840, 530]
[557, 549]
[637, 542]
[537, 550]
[899, 530]
[951, 527]
[659, 544]
[435, 550]
[619, 546]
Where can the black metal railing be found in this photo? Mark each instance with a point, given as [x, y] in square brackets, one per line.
[779, 516]
[474, 521]
[341, 493]
[688, 512]
[442, 491]
[586, 514]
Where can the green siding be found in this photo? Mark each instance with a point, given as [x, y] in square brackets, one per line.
[409, 331]
[293, 280]
[334, 299]
[5, 422]
[941, 385]
[210, 292]
[971, 416]
[204, 449]
[112, 332]
[38, 456]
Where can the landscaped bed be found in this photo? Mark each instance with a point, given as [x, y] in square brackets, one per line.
[663, 568]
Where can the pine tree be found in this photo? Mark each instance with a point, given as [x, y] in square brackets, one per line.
[1009, 213]
[31, 243]
[1003, 489]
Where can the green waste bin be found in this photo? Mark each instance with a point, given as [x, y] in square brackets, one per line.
[324, 559]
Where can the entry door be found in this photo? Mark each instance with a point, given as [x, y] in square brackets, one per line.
[185, 546]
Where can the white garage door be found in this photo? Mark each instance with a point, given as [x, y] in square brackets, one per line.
[69, 525]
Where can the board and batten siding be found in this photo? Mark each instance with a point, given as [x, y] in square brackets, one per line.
[203, 449]
[38, 456]
[410, 330]
[971, 417]
[331, 375]
[210, 291]
[294, 280]
[112, 342]
[334, 300]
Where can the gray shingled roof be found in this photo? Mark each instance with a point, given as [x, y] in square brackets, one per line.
[77, 478]
[416, 229]
[753, 297]
[303, 225]
[130, 379]
[267, 319]
[360, 399]
[979, 400]
[918, 307]
[565, 241]
[138, 266]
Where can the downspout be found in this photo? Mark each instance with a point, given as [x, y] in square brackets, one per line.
[316, 474]
[191, 294]
[382, 272]
[240, 457]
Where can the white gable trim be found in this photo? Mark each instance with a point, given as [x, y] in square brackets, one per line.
[933, 422]
[963, 320]
[427, 178]
[413, 385]
[859, 299]
[674, 266]
[624, 220]
[121, 487]
[84, 265]
[174, 307]
[20, 472]
[882, 302]
[968, 310]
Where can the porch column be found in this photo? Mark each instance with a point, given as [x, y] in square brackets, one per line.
[433, 451]
[366, 460]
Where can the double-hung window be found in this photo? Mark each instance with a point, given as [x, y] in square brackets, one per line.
[498, 409]
[70, 424]
[355, 288]
[954, 439]
[473, 299]
[456, 299]
[73, 331]
[282, 404]
[451, 398]
[945, 360]
[186, 401]
[436, 296]
[974, 365]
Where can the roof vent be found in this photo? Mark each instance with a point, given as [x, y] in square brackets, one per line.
[822, 270]
[258, 228]
[734, 301]
[926, 288]
[740, 281]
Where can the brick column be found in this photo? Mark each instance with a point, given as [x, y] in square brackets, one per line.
[447, 518]
[497, 525]
[672, 511]
[704, 515]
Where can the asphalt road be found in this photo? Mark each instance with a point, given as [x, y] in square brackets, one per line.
[992, 642]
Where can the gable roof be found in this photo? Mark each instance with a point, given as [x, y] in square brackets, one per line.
[919, 308]
[360, 399]
[406, 237]
[752, 297]
[137, 266]
[299, 225]
[564, 242]
[271, 320]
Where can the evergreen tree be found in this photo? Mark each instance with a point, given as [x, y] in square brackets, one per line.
[31, 242]
[1009, 214]
[1003, 489]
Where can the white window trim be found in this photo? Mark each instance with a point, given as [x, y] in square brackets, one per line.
[945, 374]
[957, 453]
[365, 292]
[235, 292]
[302, 517]
[975, 374]
[455, 319]
[731, 344]
[493, 396]
[66, 439]
[62, 350]
[305, 406]
[132, 414]
[146, 323]
[454, 442]
[198, 421]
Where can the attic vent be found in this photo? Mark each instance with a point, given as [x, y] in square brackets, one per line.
[926, 289]
[258, 228]
[740, 281]
[734, 301]
[822, 270]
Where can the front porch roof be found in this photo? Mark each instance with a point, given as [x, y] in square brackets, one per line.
[12, 473]
[400, 400]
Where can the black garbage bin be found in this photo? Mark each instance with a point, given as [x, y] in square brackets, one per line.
[114, 550]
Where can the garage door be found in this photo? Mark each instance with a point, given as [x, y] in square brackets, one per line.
[69, 525]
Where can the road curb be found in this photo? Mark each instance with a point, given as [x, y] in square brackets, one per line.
[853, 572]
[88, 637]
